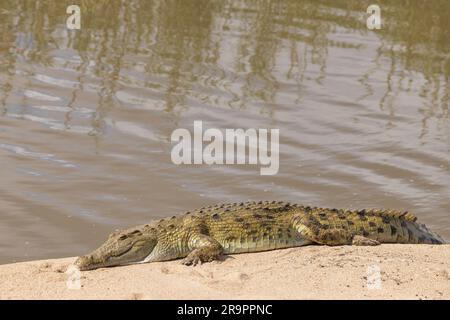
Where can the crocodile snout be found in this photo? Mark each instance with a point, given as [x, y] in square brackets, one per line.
[84, 262]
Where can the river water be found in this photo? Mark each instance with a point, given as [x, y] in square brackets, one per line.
[86, 116]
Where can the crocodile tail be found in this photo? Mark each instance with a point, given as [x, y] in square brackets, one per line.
[422, 233]
[434, 237]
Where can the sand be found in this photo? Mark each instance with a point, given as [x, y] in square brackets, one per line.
[313, 272]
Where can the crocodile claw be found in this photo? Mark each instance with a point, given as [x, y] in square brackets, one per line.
[193, 259]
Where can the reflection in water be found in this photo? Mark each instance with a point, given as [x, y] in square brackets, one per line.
[172, 46]
[107, 97]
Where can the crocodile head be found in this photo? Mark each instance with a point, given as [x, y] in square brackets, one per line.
[122, 248]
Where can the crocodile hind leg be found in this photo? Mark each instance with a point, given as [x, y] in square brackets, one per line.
[204, 249]
[317, 231]
[313, 229]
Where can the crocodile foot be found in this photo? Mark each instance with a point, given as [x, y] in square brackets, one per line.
[198, 256]
[363, 241]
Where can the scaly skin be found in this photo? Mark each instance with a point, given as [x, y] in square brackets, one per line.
[205, 234]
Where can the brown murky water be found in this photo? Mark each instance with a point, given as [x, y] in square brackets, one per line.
[86, 116]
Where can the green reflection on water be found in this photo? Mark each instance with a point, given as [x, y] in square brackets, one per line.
[185, 44]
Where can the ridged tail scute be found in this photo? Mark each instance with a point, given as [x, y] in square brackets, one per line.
[405, 215]
[408, 216]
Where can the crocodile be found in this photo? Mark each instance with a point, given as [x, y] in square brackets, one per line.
[205, 234]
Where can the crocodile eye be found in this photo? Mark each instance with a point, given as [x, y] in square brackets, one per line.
[123, 237]
[136, 232]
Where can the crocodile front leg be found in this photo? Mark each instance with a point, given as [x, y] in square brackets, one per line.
[204, 249]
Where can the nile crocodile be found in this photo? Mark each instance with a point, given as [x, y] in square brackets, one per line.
[205, 234]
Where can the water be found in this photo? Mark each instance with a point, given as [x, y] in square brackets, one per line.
[86, 116]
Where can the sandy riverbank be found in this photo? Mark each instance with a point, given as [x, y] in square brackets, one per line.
[313, 272]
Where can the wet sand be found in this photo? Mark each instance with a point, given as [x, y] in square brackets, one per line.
[313, 272]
